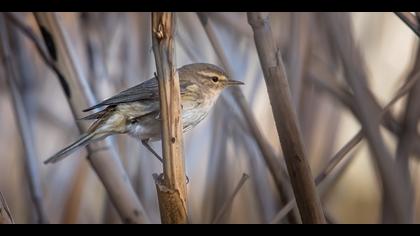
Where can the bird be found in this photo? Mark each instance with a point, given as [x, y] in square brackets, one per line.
[136, 110]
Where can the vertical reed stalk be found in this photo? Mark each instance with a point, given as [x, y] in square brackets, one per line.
[171, 185]
[287, 126]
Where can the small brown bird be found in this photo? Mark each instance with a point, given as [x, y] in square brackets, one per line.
[136, 110]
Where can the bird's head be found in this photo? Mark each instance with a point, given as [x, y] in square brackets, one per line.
[207, 77]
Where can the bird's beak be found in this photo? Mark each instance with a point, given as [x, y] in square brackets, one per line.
[232, 82]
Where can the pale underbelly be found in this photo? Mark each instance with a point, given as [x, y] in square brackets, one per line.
[148, 128]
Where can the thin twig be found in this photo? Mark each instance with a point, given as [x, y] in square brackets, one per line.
[218, 170]
[171, 188]
[336, 173]
[229, 201]
[30, 158]
[4, 209]
[259, 183]
[107, 165]
[338, 157]
[284, 211]
[307, 199]
[335, 160]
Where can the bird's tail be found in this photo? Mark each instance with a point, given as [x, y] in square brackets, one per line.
[82, 141]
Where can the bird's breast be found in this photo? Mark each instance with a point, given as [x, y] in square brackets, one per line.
[192, 115]
[148, 125]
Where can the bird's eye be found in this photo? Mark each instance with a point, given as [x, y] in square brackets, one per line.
[215, 79]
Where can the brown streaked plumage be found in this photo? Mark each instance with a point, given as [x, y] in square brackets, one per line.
[135, 111]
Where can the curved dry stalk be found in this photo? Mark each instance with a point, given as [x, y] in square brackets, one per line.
[39, 47]
[5, 214]
[301, 178]
[410, 20]
[230, 199]
[172, 193]
[30, 158]
[106, 164]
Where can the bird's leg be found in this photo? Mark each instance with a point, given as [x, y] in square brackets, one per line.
[146, 144]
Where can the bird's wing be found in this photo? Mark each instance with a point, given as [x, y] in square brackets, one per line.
[148, 90]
